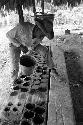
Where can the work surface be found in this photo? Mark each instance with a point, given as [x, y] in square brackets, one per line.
[58, 47]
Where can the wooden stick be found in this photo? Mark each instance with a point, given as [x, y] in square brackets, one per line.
[42, 6]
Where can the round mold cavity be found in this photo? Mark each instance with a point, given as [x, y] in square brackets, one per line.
[10, 103]
[33, 91]
[7, 109]
[39, 110]
[27, 78]
[19, 104]
[29, 114]
[22, 76]
[25, 122]
[42, 89]
[38, 119]
[24, 89]
[15, 109]
[14, 93]
[26, 84]
[38, 71]
[30, 106]
[16, 87]
[25, 58]
[44, 72]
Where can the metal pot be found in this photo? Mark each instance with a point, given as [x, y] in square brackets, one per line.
[27, 64]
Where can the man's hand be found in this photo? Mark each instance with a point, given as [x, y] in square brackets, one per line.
[24, 48]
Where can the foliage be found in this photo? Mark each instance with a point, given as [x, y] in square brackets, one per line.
[11, 4]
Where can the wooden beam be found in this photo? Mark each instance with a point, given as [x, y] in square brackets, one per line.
[42, 6]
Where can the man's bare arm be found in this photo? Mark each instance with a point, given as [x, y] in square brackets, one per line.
[11, 36]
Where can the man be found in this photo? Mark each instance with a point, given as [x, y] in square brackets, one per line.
[22, 37]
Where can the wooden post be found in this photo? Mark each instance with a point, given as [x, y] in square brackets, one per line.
[42, 6]
[20, 13]
[34, 8]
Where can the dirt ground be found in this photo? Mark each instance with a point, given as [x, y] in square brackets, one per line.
[5, 78]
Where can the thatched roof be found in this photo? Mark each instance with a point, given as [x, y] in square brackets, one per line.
[12, 4]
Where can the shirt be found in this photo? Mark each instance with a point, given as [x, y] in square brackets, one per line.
[21, 34]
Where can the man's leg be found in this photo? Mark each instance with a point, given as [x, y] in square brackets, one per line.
[15, 57]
